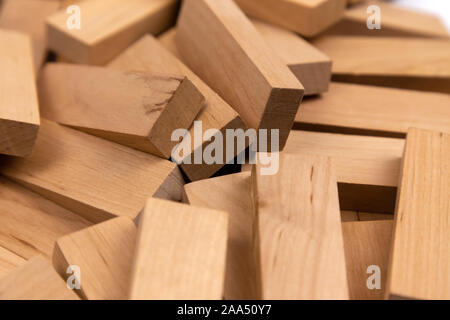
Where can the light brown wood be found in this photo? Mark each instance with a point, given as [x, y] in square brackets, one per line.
[231, 193]
[180, 252]
[222, 46]
[29, 16]
[19, 109]
[347, 215]
[408, 63]
[364, 216]
[93, 177]
[108, 27]
[9, 261]
[149, 55]
[366, 244]
[368, 110]
[104, 254]
[420, 253]
[298, 231]
[155, 104]
[35, 280]
[306, 17]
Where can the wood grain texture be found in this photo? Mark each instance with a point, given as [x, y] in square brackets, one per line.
[347, 216]
[420, 253]
[9, 261]
[108, 27]
[305, 17]
[19, 109]
[93, 177]
[408, 63]
[93, 100]
[104, 253]
[232, 193]
[35, 280]
[222, 46]
[366, 244]
[180, 252]
[298, 231]
[149, 55]
[29, 16]
[368, 110]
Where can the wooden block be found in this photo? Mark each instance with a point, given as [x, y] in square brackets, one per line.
[367, 244]
[19, 109]
[231, 193]
[93, 177]
[368, 110]
[305, 17]
[367, 168]
[420, 254]
[30, 224]
[103, 253]
[180, 252]
[29, 16]
[155, 104]
[35, 280]
[222, 46]
[369, 216]
[167, 39]
[9, 261]
[408, 63]
[149, 55]
[298, 232]
[108, 27]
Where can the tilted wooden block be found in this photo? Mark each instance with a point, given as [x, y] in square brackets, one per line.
[19, 109]
[420, 254]
[222, 46]
[104, 254]
[9, 261]
[133, 108]
[232, 193]
[408, 63]
[93, 177]
[35, 280]
[368, 110]
[305, 17]
[108, 27]
[149, 55]
[180, 252]
[298, 230]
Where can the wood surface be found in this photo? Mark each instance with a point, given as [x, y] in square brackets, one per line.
[347, 216]
[93, 99]
[222, 46]
[19, 109]
[420, 254]
[180, 252]
[9, 261]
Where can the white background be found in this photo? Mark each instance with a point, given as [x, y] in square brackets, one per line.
[438, 7]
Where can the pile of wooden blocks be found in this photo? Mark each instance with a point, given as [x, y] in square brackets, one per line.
[91, 207]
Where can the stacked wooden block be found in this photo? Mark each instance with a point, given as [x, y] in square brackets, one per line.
[92, 207]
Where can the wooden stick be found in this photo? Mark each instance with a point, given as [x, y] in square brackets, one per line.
[419, 262]
[93, 177]
[108, 27]
[222, 46]
[300, 251]
[103, 253]
[149, 55]
[307, 18]
[180, 252]
[9, 261]
[408, 63]
[19, 109]
[155, 104]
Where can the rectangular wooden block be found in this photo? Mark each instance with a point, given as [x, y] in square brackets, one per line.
[149, 55]
[305, 17]
[368, 110]
[408, 63]
[19, 109]
[134, 108]
[180, 252]
[300, 249]
[9, 261]
[420, 254]
[222, 46]
[108, 27]
[104, 253]
[93, 177]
